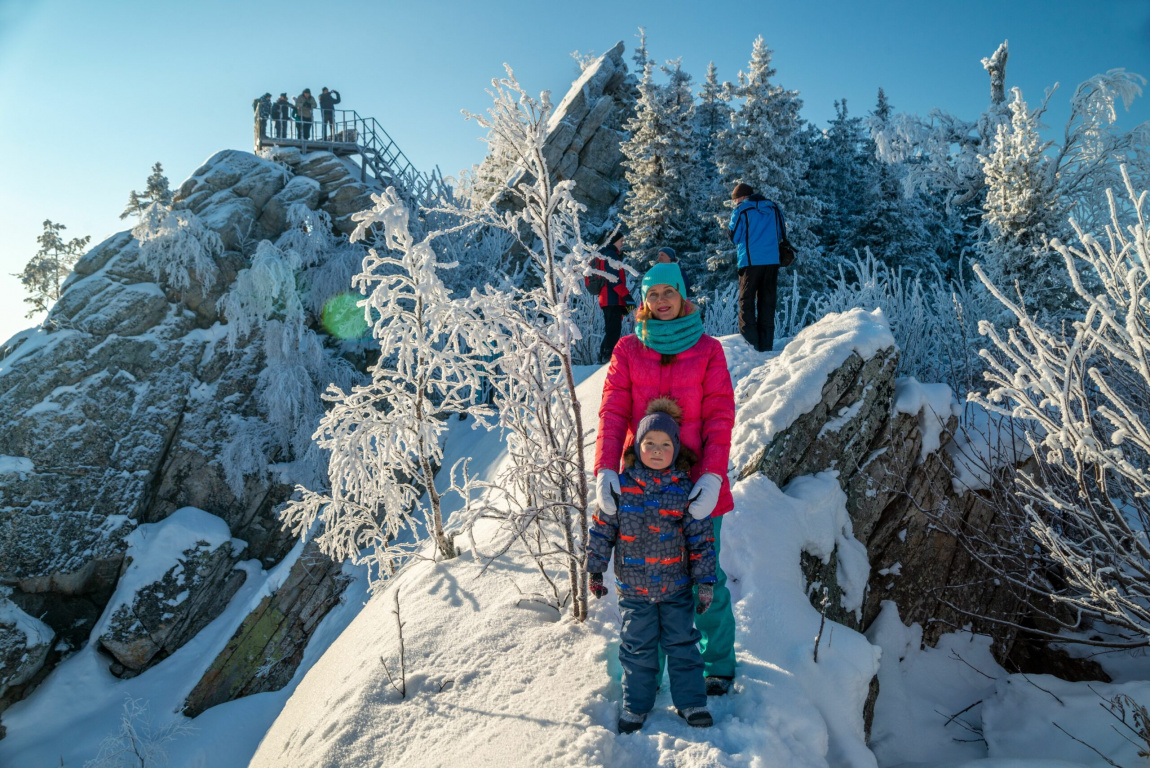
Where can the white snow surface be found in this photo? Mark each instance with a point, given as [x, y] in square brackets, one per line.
[496, 676]
[530, 687]
[933, 403]
[771, 397]
[16, 465]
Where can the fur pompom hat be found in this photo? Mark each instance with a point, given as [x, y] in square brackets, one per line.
[663, 415]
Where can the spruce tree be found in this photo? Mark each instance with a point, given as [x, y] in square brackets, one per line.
[156, 191]
[764, 147]
[45, 273]
[660, 159]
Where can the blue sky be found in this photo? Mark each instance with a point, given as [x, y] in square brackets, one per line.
[94, 93]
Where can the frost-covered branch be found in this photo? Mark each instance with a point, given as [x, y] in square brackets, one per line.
[1084, 396]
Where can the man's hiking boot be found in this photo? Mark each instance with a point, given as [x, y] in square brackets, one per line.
[629, 722]
[696, 717]
[718, 686]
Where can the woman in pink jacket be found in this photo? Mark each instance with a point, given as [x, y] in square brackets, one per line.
[670, 356]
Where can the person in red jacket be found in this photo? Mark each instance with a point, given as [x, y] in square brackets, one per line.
[614, 297]
[670, 356]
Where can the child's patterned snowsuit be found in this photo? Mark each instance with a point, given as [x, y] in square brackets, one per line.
[659, 551]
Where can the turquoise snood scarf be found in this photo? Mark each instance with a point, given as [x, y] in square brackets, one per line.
[670, 337]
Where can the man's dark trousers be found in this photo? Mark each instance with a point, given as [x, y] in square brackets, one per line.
[757, 289]
[612, 327]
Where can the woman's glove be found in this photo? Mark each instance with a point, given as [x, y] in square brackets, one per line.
[596, 585]
[706, 595]
[704, 496]
[607, 491]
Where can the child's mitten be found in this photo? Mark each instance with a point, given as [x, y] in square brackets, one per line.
[597, 588]
[706, 595]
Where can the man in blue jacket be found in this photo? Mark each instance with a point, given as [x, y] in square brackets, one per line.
[756, 229]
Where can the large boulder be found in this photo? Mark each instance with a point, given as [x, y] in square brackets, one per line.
[585, 130]
[831, 401]
[24, 646]
[265, 651]
[178, 576]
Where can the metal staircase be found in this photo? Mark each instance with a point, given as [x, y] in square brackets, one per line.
[348, 134]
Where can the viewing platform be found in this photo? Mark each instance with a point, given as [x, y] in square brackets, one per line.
[350, 135]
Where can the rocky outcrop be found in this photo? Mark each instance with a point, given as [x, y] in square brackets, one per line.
[585, 132]
[264, 652]
[884, 437]
[25, 643]
[178, 577]
[116, 410]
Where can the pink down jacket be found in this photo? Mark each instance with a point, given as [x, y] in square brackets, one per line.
[699, 382]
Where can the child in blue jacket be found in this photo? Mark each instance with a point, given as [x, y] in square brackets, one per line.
[660, 551]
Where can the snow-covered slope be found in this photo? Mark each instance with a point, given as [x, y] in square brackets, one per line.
[495, 676]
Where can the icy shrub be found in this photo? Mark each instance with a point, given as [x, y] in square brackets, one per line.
[175, 245]
[1082, 394]
[385, 438]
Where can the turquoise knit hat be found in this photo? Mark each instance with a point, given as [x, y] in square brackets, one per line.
[663, 274]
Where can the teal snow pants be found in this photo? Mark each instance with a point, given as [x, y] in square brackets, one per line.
[717, 625]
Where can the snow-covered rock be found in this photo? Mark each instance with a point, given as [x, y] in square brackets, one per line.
[115, 414]
[586, 129]
[24, 645]
[264, 652]
[830, 401]
[178, 577]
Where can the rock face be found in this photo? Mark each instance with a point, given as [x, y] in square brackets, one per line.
[178, 577]
[264, 652]
[871, 427]
[585, 131]
[25, 643]
[114, 414]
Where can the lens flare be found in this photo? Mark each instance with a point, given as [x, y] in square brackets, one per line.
[342, 318]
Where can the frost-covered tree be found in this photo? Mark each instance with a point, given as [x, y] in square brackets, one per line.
[1022, 209]
[268, 301]
[712, 116]
[1083, 394]
[175, 246]
[904, 230]
[948, 156]
[842, 177]
[139, 742]
[764, 147]
[661, 162]
[156, 190]
[385, 437]
[45, 272]
[541, 498]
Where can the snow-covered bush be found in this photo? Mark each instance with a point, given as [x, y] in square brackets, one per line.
[384, 438]
[589, 318]
[1083, 394]
[139, 743]
[175, 245]
[533, 333]
[267, 298]
[721, 311]
[933, 320]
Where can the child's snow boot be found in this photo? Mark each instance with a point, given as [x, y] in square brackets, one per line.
[629, 722]
[718, 686]
[696, 717]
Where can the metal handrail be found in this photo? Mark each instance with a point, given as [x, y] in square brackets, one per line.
[354, 134]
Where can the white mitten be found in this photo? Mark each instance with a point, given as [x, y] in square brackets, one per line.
[607, 491]
[704, 496]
